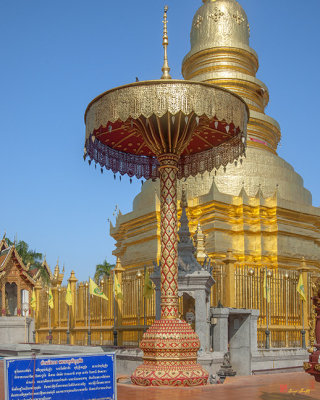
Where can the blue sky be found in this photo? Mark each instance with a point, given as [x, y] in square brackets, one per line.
[56, 56]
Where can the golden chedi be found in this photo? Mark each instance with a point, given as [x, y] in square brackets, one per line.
[259, 207]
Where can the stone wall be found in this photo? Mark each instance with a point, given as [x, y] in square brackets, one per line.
[16, 330]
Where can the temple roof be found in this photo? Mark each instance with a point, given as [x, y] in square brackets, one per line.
[3, 243]
[9, 253]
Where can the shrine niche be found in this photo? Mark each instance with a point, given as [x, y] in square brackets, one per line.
[11, 298]
[15, 281]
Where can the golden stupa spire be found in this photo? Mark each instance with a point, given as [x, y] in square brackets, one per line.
[165, 42]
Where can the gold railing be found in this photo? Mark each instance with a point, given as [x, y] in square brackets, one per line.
[242, 286]
[282, 314]
[130, 317]
[236, 285]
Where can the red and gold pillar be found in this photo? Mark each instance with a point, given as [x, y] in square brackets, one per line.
[170, 345]
[19, 305]
[169, 244]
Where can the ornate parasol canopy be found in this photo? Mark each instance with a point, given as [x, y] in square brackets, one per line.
[128, 127]
[171, 129]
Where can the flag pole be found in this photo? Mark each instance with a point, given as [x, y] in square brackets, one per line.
[34, 332]
[115, 310]
[50, 331]
[89, 316]
[267, 332]
[68, 330]
[303, 332]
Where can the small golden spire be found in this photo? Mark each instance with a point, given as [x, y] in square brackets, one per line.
[165, 42]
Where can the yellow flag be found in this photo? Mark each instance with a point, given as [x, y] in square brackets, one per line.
[300, 288]
[69, 295]
[266, 288]
[95, 290]
[33, 302]
[117, 288]
[50, 299]
[148, 286]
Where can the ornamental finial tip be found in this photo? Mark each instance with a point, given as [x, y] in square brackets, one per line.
[165, 42]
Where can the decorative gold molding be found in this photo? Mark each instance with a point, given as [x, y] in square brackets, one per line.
[159, 97]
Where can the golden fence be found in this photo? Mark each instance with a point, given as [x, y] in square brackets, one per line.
[236, 285]
[283, 315]
[129, 316]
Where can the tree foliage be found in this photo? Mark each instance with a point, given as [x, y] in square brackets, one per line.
[102, 271]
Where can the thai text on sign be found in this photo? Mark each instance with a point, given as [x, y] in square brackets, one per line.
[67, 377]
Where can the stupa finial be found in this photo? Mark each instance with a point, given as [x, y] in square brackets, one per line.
[165, 42]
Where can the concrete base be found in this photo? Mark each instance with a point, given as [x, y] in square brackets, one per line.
[267, 361]
[262, 361]
[16, 330]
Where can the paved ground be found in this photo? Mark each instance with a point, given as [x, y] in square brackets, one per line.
[295, 386]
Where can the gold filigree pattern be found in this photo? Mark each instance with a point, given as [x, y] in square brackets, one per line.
[315, 286]
[312, 325]
[306, 366]
[238, 18]
[161, 97]
[169, 245]
[216, 14]
[198, 21]
[317, 367]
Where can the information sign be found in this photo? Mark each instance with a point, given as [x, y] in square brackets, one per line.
[63, 377]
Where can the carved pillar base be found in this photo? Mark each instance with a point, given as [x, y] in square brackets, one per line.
[313, 366]
[170, 349]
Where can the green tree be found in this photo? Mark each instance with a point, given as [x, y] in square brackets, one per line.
[102, 271]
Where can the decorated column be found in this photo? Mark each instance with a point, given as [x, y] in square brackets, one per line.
[168, 236]
[3, 298]
[19, 305]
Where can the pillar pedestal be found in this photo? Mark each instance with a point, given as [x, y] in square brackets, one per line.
[170, 356]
